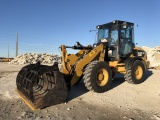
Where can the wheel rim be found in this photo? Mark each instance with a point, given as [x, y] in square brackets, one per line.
[138, 72]
[102, 77]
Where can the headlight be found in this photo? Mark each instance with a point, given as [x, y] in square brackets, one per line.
[98, 27]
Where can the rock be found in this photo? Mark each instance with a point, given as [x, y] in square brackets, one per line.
[125, 117]
[72, 106]
[153, 55]
[57, 115]
[131, 119]
[32, 58]
[27, 114]
[119, 106]
[156, 117]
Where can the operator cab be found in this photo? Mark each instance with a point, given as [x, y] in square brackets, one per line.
[120, 38]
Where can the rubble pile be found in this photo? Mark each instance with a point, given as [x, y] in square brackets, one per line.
[32, 58]
[153, 55]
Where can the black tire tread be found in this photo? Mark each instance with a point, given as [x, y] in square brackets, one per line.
[128, 76]
[87, 76]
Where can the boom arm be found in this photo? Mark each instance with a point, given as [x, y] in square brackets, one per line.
[74, 64]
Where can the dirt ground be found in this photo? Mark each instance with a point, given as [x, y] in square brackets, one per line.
[123, 101]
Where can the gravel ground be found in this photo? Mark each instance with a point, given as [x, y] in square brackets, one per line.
[123, 101]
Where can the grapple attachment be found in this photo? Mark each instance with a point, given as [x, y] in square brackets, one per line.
[41, 86]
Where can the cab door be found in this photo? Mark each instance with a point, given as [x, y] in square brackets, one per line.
[126, 41]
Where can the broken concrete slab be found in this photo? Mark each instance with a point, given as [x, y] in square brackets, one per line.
[32, 58]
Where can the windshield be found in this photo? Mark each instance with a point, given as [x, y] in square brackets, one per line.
[109, 33]
[102, 33]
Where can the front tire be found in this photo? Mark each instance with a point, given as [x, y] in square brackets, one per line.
[97, 76]
[136, 74]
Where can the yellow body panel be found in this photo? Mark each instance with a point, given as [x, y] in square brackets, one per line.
[71, 59]
[85, 61]
[121, 69]
[113, 63]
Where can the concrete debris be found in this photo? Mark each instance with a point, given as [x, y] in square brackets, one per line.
[32, 58]
[153, 55]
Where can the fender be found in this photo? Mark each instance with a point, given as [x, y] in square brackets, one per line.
[129, 62]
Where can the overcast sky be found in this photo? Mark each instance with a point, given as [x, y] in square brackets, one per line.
[43, 25]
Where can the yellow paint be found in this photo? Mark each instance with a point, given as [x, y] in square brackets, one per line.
[113, 63]
[138, 72]
[30, 105]
[85, 61]
[71, 59]
[121, 69]
[102, 77]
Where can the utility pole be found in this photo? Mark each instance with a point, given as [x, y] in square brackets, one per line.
[17, 44]
[8, 50]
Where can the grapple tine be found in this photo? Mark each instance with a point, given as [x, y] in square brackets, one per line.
[41, 86]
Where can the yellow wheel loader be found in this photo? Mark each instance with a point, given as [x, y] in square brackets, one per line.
[114, 52]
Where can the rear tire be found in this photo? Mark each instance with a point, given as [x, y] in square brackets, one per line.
[97, 76]
[136, 74]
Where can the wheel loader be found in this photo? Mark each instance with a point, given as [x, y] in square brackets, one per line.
[113, 52]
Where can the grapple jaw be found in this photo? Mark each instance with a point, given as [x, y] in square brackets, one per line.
[41, 86]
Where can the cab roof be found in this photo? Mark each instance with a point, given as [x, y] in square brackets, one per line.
[119, 22]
